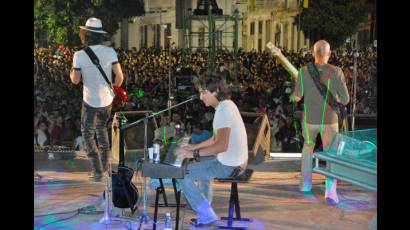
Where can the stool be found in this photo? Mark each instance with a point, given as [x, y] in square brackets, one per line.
[161, 189]
[238, 176]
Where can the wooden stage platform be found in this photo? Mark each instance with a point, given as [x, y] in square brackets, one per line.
[271, 199]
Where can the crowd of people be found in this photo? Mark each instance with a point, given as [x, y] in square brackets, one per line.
[261, 85]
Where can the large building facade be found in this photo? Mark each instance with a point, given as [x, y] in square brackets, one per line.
[260, 21]
[274, 21]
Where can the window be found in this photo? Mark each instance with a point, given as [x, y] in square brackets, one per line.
[157, 35]
[268, 30]
[277, 35]
[252, 28]
[260, 27]
[144, 36]
[167, 33]
[285, 35]
[260, 44]
[307, 35]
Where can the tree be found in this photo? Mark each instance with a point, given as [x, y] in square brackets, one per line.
[333, 20]
[61, 18]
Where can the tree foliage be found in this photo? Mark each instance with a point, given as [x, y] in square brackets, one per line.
[333, 20]
[61, 18]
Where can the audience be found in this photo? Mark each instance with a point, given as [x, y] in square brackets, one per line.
[261, 85]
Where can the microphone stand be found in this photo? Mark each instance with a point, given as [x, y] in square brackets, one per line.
[107, 218]
[144, 218]
[355, 56]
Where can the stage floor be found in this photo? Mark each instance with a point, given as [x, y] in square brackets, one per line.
[271, 199]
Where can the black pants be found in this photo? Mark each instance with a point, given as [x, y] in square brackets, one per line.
[95, 121]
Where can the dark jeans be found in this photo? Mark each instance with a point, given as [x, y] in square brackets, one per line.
[95, 121]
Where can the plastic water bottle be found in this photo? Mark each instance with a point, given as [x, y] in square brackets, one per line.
[156, 153]
[168, 221]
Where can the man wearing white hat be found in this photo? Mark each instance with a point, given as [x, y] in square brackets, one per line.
[97, 94]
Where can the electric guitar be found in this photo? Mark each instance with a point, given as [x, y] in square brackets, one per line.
[282, 60]
[119, 99]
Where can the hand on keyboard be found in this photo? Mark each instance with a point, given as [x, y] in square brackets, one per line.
[184, 152]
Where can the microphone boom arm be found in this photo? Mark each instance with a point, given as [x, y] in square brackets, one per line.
[124, 127]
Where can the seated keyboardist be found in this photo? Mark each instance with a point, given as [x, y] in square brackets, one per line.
[229, 145]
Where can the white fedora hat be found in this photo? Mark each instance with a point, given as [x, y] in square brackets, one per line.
[93, 25]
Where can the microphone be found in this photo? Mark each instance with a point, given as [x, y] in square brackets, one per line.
[193, 97]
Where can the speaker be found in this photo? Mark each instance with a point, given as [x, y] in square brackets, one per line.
[259, 133]
[134, 136]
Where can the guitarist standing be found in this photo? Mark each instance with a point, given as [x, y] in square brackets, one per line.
[97, 94]
[320, 112]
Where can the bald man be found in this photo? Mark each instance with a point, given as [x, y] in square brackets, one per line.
[318, 116]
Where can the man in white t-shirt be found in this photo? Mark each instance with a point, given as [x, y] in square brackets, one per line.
[229, 144]
[97, 94]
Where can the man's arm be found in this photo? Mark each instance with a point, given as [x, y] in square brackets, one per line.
[75, 76]
[204, 144]
[119, 77]
[75, 73]
[342, 92]
[219, 143]
[297, 93]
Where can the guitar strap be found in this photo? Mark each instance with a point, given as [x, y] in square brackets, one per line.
[314, 73]
[96, 62]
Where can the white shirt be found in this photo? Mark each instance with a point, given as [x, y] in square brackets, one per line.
[96, 92]
[227, 116]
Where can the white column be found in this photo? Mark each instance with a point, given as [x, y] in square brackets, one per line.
[150, 35]
[290, 27]
[161, 36]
